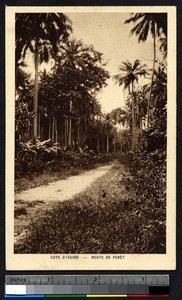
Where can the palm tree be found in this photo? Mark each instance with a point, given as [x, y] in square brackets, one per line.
[130, 74]
[156, 24]
[120, 116]
[72, 56]
[159, 94]
[86, 75]
[107, 126]
[41, 34]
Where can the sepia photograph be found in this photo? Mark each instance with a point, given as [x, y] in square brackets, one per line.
[91, 157]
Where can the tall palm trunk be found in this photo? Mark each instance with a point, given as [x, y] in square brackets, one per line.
[56, 130]
[107, 144]
[70, 127]
[53, 129]
[62, 132]
[35, 98]
[38, 125]
[65, 132]
[69, 134]
[49, 127]
[114, 141]
[135, 134]
[133, 146]
[78, 133]
[152, 77]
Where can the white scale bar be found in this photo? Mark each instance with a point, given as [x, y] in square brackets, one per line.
[15, 289]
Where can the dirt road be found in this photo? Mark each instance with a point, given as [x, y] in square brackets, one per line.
[63, 189]
[34, 203]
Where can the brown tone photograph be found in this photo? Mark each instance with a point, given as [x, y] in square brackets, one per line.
[90, 132]
[90, 178]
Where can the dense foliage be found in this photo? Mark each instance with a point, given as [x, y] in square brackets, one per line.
[45, 157]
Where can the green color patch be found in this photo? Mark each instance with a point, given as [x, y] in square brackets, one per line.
[65, 296]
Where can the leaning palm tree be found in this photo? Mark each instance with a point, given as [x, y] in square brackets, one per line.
[40, 33]
[128, 76]
[156, 24]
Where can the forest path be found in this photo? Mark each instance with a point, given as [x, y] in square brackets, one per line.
[65, 189]
[36, 202]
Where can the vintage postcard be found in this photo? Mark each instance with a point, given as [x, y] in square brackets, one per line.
[91, 138]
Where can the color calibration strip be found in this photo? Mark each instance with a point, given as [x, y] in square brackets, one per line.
[87, 286]
[89, 296]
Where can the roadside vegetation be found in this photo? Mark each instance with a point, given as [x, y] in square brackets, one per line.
[108, 217]
[43, 163]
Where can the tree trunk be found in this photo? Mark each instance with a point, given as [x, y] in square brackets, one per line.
[65, 132]
[35, 98]
[70, 125]
[49, 127]
[53, 130]
[78, 133]
[56, 130]
[38, 125]
[107, 145]
[98, 145]
[114, 142]
[69, 133]
[133, 147]
[62, 132]
[152, 78]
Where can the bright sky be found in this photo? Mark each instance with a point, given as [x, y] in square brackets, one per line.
[110, 36]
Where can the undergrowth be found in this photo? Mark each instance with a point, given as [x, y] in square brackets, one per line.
[37, 165]
[129, 219]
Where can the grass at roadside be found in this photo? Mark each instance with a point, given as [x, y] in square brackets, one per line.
[116, 221]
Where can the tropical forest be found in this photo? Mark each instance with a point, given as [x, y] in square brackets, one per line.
[90, 179]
